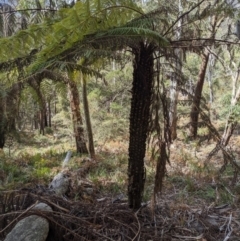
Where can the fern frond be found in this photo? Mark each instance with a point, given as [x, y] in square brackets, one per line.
[132, 32]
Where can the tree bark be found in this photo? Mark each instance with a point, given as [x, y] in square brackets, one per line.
[8, 110]
[230, 126]
[76, 117]
[49, 113]
[139, 120]
[194, 115]
[173, 106]
[12, 100]
[231, 120]
[35, 84]
[2, 121]
[88, 119]
[175, 80]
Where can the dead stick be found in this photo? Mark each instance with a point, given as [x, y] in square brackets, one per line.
[19, 216]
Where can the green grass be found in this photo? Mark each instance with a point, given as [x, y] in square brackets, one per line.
[41, 160]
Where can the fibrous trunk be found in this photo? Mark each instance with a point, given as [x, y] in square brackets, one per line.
[139, 120]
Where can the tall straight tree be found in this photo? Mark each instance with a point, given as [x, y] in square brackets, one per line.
[175, 79]
[76, 114]
[215, 23]
[87, 117]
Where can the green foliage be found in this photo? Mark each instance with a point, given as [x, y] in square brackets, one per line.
[227, 109]
[110, 174]
[49, 130]
[80, 21]
[113, 99]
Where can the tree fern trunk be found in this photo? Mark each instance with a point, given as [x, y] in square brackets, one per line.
[139, 119]
[194, 115]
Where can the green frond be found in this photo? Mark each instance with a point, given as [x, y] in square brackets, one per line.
[7, 20]
[132, 32]
[83, 20]
[61, 88]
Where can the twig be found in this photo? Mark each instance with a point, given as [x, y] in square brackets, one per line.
[19, 216]
[30, 9]
[188, 237]
[171, 27]
[139, 225]
[57, 206]
[228, 229]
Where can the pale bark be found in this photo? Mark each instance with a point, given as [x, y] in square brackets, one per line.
[175, 79]
[210, 76]
[231, 121]
[88, 119]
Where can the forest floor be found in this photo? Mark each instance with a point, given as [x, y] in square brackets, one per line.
[199, 200]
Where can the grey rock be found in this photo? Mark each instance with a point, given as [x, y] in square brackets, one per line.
[31, 228]
[60, 184]
[43, 207]
[89, 190]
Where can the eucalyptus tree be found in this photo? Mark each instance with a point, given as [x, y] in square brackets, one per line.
[91, 148]
[214, 29]
[176, 79]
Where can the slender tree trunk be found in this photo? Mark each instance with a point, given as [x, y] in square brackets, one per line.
[76, 116]
[231, 120]
[210, 76]
[230, 126]
[2, 121]
[45, 118]
[8, 111]
[139, 120]
[194, 115]
[55, 102]
[35, 84]
[175, 79]
[12, 105]
[88, 119]
[173, 105]
[49, 114]
[41, 120]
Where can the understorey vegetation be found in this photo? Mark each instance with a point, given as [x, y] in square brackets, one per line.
[136, 103]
